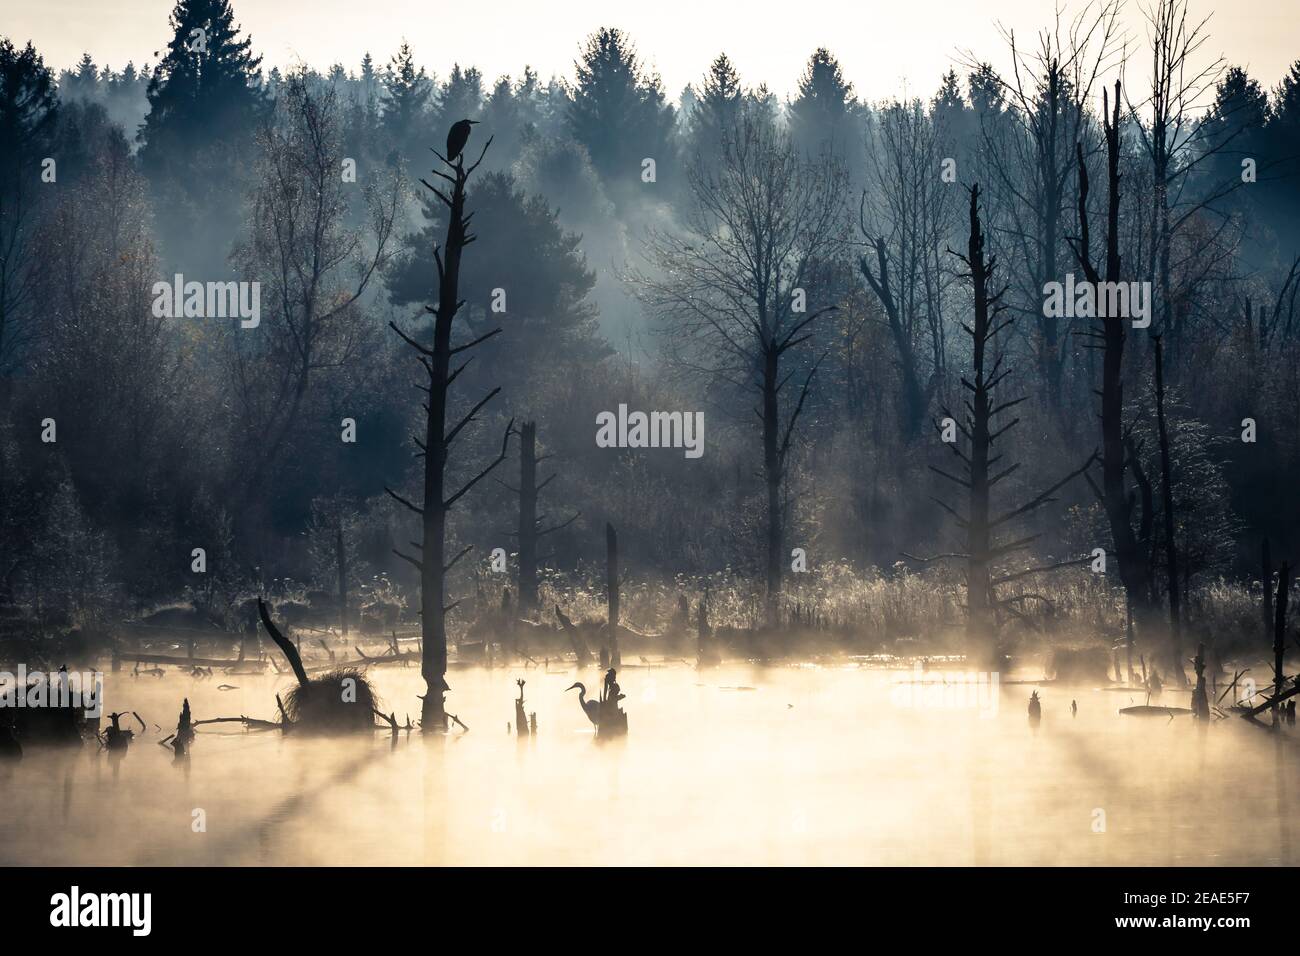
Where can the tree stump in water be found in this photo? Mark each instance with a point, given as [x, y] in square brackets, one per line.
[1200, 702]
[706, 652]
[613, 720]
[522, 728]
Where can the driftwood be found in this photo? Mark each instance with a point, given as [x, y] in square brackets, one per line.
[224, 662]
[391, 720]
[387, 658]
[575, 638]
[1148, 710]
[252, 723]
[1275, 699]
[282, 642]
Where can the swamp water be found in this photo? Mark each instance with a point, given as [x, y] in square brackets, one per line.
[740, 764]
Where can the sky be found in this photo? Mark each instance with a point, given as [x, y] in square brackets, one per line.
[885, 48]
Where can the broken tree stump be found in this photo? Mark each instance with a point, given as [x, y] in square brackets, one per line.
[521, 719]
[611, 584]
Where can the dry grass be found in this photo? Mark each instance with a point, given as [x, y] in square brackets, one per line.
[330, 704]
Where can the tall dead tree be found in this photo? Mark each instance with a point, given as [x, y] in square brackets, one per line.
[438, 439]
[1267, 581]
[1131, 545]
[342, 558]
[528, 532]
[1167, 505]
[611, 586]
[983, 469]
[1279, 635]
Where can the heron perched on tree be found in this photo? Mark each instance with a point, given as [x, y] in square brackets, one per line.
[589, 707]
[457, 137]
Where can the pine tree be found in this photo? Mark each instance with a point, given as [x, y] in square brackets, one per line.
[617, 112]
[717, 107]
[204, 103]
[462, 96]
[203, 89]
[1234, 128]
[28, 117]
[1283, 143]
[405, 105]
[822, 115]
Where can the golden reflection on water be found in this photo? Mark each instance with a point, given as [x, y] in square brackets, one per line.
[737, 765]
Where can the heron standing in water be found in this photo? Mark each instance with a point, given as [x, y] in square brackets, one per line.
[589, 707]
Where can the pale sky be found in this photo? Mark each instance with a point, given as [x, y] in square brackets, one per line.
[885, 48]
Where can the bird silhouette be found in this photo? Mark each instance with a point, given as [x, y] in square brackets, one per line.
[457, 137]
[589, 707]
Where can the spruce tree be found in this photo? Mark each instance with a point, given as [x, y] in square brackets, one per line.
[718, 104]
[618, 112]
[204, 104]
[404, 112]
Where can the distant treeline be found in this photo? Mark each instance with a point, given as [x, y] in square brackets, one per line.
[612, 280]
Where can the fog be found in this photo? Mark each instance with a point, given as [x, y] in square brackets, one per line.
[763, 380]
[820, 764]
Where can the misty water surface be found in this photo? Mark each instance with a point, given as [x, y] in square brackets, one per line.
[738, 765]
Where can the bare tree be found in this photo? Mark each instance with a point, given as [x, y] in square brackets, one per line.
[982, 469]
[906, 217]
[1177, 142]
[1167, 507]
[312, 266]
[1032, 160]
[736, 288]
[528, 532]
[1131, 543]
[435, 448]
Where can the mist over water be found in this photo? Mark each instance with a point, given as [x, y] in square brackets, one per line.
[742, 764]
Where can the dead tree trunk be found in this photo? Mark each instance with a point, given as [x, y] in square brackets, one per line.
[527, 583]
[528, 532]
[286, 646]
[914, 394]
[1171, 545]
[1200, 700]
[1279, 634]
[979, 620]
[341, 554]
[438, 439]
[611, 585]
[1267, 580]
[521, 718]
[580, 650]
[983, 552]
[772, 461]
[1131, 547]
